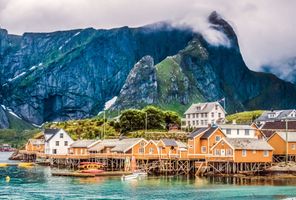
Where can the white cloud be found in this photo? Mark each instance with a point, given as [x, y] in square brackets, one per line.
[265, 28]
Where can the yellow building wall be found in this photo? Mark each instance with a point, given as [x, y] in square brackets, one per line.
[252, 156]
[278, 144]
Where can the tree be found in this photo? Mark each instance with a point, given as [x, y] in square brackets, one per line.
[171, 117]
[131, 120]
[155, 117]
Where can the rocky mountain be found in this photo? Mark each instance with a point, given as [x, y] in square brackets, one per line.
[72, 74]
[3, 119]
[203, 72]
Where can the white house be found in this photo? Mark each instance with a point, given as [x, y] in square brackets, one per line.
[202, 114]
[238, 131]
[57, 141]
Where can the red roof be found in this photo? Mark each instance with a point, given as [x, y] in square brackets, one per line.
[279, 125]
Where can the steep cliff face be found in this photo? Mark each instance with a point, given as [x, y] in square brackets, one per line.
[3, 119]
[140, 87]
[71, 74]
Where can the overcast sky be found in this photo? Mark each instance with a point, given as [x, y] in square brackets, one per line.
[265, 28]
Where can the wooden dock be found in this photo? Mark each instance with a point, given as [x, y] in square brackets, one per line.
[78, 174]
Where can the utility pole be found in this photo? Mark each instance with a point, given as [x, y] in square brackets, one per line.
[146, 122]
[287, 147]
[104, 124]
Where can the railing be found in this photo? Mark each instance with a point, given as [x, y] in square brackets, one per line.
[219, 158]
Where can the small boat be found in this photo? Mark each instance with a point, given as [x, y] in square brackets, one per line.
[129, 177]
[26, 165]
[141, 173]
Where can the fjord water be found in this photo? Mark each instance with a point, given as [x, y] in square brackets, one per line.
[37, 183]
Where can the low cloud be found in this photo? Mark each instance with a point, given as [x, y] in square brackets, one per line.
[265, 28]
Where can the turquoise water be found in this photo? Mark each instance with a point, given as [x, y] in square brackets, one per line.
[37, 183]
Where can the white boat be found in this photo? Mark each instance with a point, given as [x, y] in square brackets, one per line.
[129, 177]
[140, 173]
[135, 175]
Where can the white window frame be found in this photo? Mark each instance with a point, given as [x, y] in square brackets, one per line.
[244, 153]
[217, 136]
[203, 149]
[266, 153]
[293, 146]
[247, 132]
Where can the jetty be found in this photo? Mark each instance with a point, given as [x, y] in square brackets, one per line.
[79, 174]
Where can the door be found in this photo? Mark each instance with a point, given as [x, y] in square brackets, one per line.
[222, 152]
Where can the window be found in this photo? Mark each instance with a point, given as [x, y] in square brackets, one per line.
[237, 131]
[219, 115]
[247, 132]
[217, 152]
[198, 108]
[272, 115]
[266, 153]
[151, 150]
[293, 147]
[201, 122]
[203, 149]
[254, 151]
[142, 144]
[228, 152]
[66, 143]
[201, 115]
[54, 151]
[217, 138]
[188, 116]
[216, 107]
[57, 143]
[141, 150]
[228, 131]
[206, 114]
[193, 115]
[244, 152]
[190, 146]
[193, 123]
[61, 135]
[212, 114]
[197, 122]
[206, 122]
[197, 115]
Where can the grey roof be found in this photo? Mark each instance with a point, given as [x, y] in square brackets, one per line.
[291, 136]
[196, 132]
[104, 143]
[49, 133]
[205, 107]
[181, 144]
[36, 141]
[281, 115]
[124, 144]
[82, 143]
[236, 126]
[248, 143]
[208, 132]
[169, 142]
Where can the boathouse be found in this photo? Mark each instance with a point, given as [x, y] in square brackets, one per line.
[80, 147]
[35, 145]
[200, 141]
[283, 143]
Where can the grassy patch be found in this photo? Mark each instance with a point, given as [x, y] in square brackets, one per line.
[246, 117]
